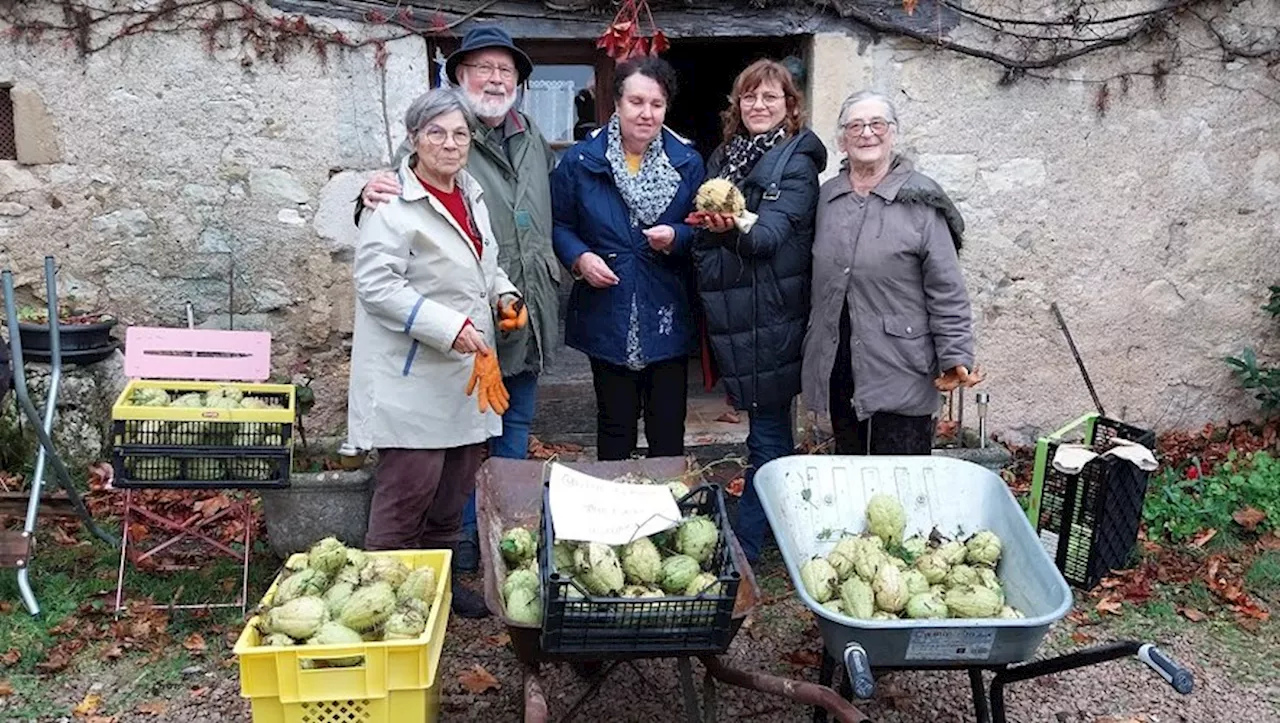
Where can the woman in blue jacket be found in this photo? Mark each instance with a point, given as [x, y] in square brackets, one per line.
[619, 199]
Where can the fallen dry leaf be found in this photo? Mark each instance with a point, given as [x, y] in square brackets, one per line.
[804, 658]
[6, 607]
[6, 689]
[729, 418]
[1193, 615]
[1249, 518]
[112, 652]
[153, 707]
[1270, 541]
[1080, 637]
[499, 640]
[66, 626]
[1204, 536]
[1109, 605]
[61, 537]
[736, 486]
[195, 643]
[87, 706]
[102, 719]
[59, 656]
[11, 657]
[910, 6]
[477, 680]
[198, 692]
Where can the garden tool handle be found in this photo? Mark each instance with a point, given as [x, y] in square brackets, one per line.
[858, 667]
[1174, 674]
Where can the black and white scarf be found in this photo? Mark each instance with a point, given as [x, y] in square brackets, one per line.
[743, 152]
[649, 192]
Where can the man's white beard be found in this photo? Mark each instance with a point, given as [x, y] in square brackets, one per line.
[487, 107]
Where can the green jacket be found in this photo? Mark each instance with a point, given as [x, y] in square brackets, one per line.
[517, 193]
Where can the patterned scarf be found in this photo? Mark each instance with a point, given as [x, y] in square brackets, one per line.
[649, 192]
[743, 152]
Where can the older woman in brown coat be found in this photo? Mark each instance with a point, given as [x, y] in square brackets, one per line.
[889, 325]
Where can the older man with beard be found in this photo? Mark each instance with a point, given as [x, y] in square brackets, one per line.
[512, 161]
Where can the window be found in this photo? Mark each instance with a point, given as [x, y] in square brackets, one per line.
[8, 140]
[567, 95]
[561, 100]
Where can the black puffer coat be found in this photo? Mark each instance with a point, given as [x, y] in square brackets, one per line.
[754, 287]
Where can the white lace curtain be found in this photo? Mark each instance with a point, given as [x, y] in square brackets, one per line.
[550, 103]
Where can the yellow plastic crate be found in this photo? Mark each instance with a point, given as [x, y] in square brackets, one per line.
[125, 410]
[194, 447]
[396, 683]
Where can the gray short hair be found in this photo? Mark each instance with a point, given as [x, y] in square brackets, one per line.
[433, 104]
[860, 96]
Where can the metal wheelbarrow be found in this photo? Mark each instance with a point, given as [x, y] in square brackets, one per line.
[812, 501]
[510, 492]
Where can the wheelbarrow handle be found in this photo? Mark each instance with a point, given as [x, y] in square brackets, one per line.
[1173, 673]
[858, 668]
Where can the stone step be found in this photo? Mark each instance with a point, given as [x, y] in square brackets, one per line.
[566, 412]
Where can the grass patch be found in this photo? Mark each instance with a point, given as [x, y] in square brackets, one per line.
[75, 586]
[1264, 574]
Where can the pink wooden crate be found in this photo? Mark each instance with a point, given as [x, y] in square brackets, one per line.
[197, 354]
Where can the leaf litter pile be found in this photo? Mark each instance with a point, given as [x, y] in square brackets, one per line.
[208, 511]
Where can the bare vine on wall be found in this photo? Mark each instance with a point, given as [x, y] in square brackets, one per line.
[1151, 39]
[1040, 40]
[90, 28]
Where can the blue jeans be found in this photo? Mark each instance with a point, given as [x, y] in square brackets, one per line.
[514, 442]
[768, 439]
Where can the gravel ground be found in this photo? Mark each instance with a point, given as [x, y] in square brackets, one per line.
[1231, 684]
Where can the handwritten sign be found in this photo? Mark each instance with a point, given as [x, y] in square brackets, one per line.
[586, 508]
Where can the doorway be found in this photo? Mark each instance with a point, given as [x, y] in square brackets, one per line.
[707, 68]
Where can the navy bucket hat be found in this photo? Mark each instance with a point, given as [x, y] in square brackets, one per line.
[480, 38]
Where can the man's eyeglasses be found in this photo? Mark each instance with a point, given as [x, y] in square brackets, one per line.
[878, 126]
[436, 136]
[485, 71]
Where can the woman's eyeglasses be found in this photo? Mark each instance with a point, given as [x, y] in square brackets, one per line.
[766, 99]
[436, 136]
[878, 126]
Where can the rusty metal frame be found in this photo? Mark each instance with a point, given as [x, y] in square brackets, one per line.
[187, 528]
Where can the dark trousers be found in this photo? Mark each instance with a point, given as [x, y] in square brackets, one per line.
[768, 439]
[883, 432]
[418, 497]
[659, 391]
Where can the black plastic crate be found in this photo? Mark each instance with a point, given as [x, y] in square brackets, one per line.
[185, 455]
[672, 626]
[1089, 521]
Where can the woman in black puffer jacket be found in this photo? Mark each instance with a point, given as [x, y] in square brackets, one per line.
[754, 286]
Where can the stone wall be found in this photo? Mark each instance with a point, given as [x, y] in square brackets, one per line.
[162, 171]
[81, 435]
[1155, 227]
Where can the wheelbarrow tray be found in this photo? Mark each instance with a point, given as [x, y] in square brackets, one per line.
[509, 493]
[811, 501]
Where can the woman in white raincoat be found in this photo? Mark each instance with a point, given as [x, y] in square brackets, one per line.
[426, 391]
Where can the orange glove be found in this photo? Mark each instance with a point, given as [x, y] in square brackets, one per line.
[486, 378]
[512, 315]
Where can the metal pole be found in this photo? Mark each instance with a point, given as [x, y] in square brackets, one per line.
[981, 398]
[24, 401]
[50, 409]
[1079, 362]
